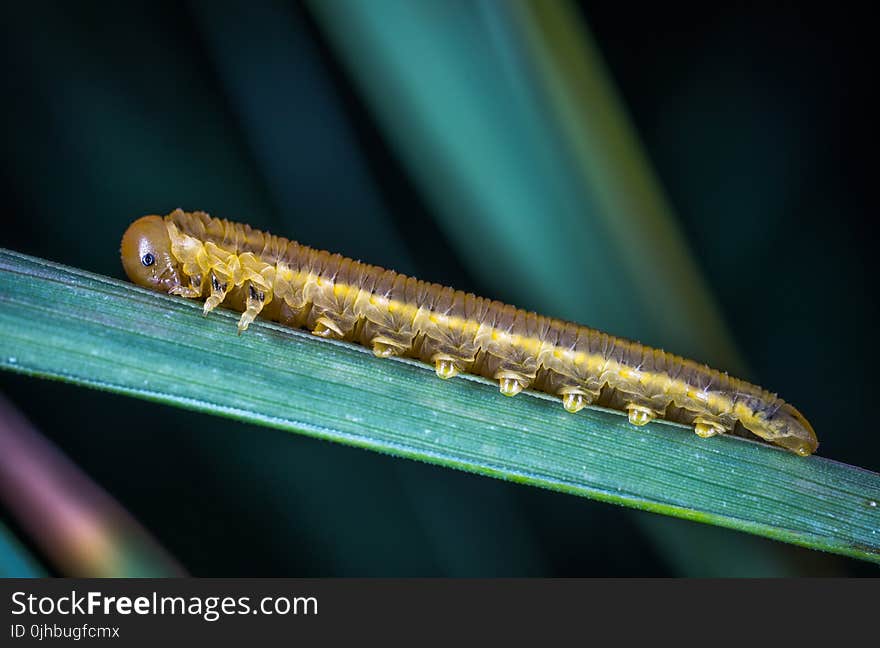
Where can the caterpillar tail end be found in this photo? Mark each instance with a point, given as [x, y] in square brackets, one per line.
[797, 434]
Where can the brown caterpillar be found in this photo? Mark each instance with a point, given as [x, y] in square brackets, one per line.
[196, 256]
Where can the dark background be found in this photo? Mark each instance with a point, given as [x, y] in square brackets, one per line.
[758, 121]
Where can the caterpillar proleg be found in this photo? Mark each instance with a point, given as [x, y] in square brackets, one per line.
[196, 256]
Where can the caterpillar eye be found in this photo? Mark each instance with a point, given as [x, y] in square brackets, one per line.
[148, 259]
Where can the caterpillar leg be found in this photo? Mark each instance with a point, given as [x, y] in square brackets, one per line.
[446, 366]
[192, 291]
[575, 399]
[327, 328]
[705, 428]
[387, 339]
[219, 290]
[385, 347]
[256, 299]
[510, 383]
[639, 414]
[332, 325]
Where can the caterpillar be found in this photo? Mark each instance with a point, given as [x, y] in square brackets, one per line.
[199, 257]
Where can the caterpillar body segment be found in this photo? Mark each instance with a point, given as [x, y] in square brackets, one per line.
[199, 257]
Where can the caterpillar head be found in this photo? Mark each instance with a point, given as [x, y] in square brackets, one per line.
[146, 255]
[792, 431]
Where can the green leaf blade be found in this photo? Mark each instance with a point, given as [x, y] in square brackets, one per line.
[62, 323]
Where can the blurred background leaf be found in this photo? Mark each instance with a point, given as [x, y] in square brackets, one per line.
[15, 560]
[753, 119]
[81, 529]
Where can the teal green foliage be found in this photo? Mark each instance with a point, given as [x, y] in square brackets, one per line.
[131, 341]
